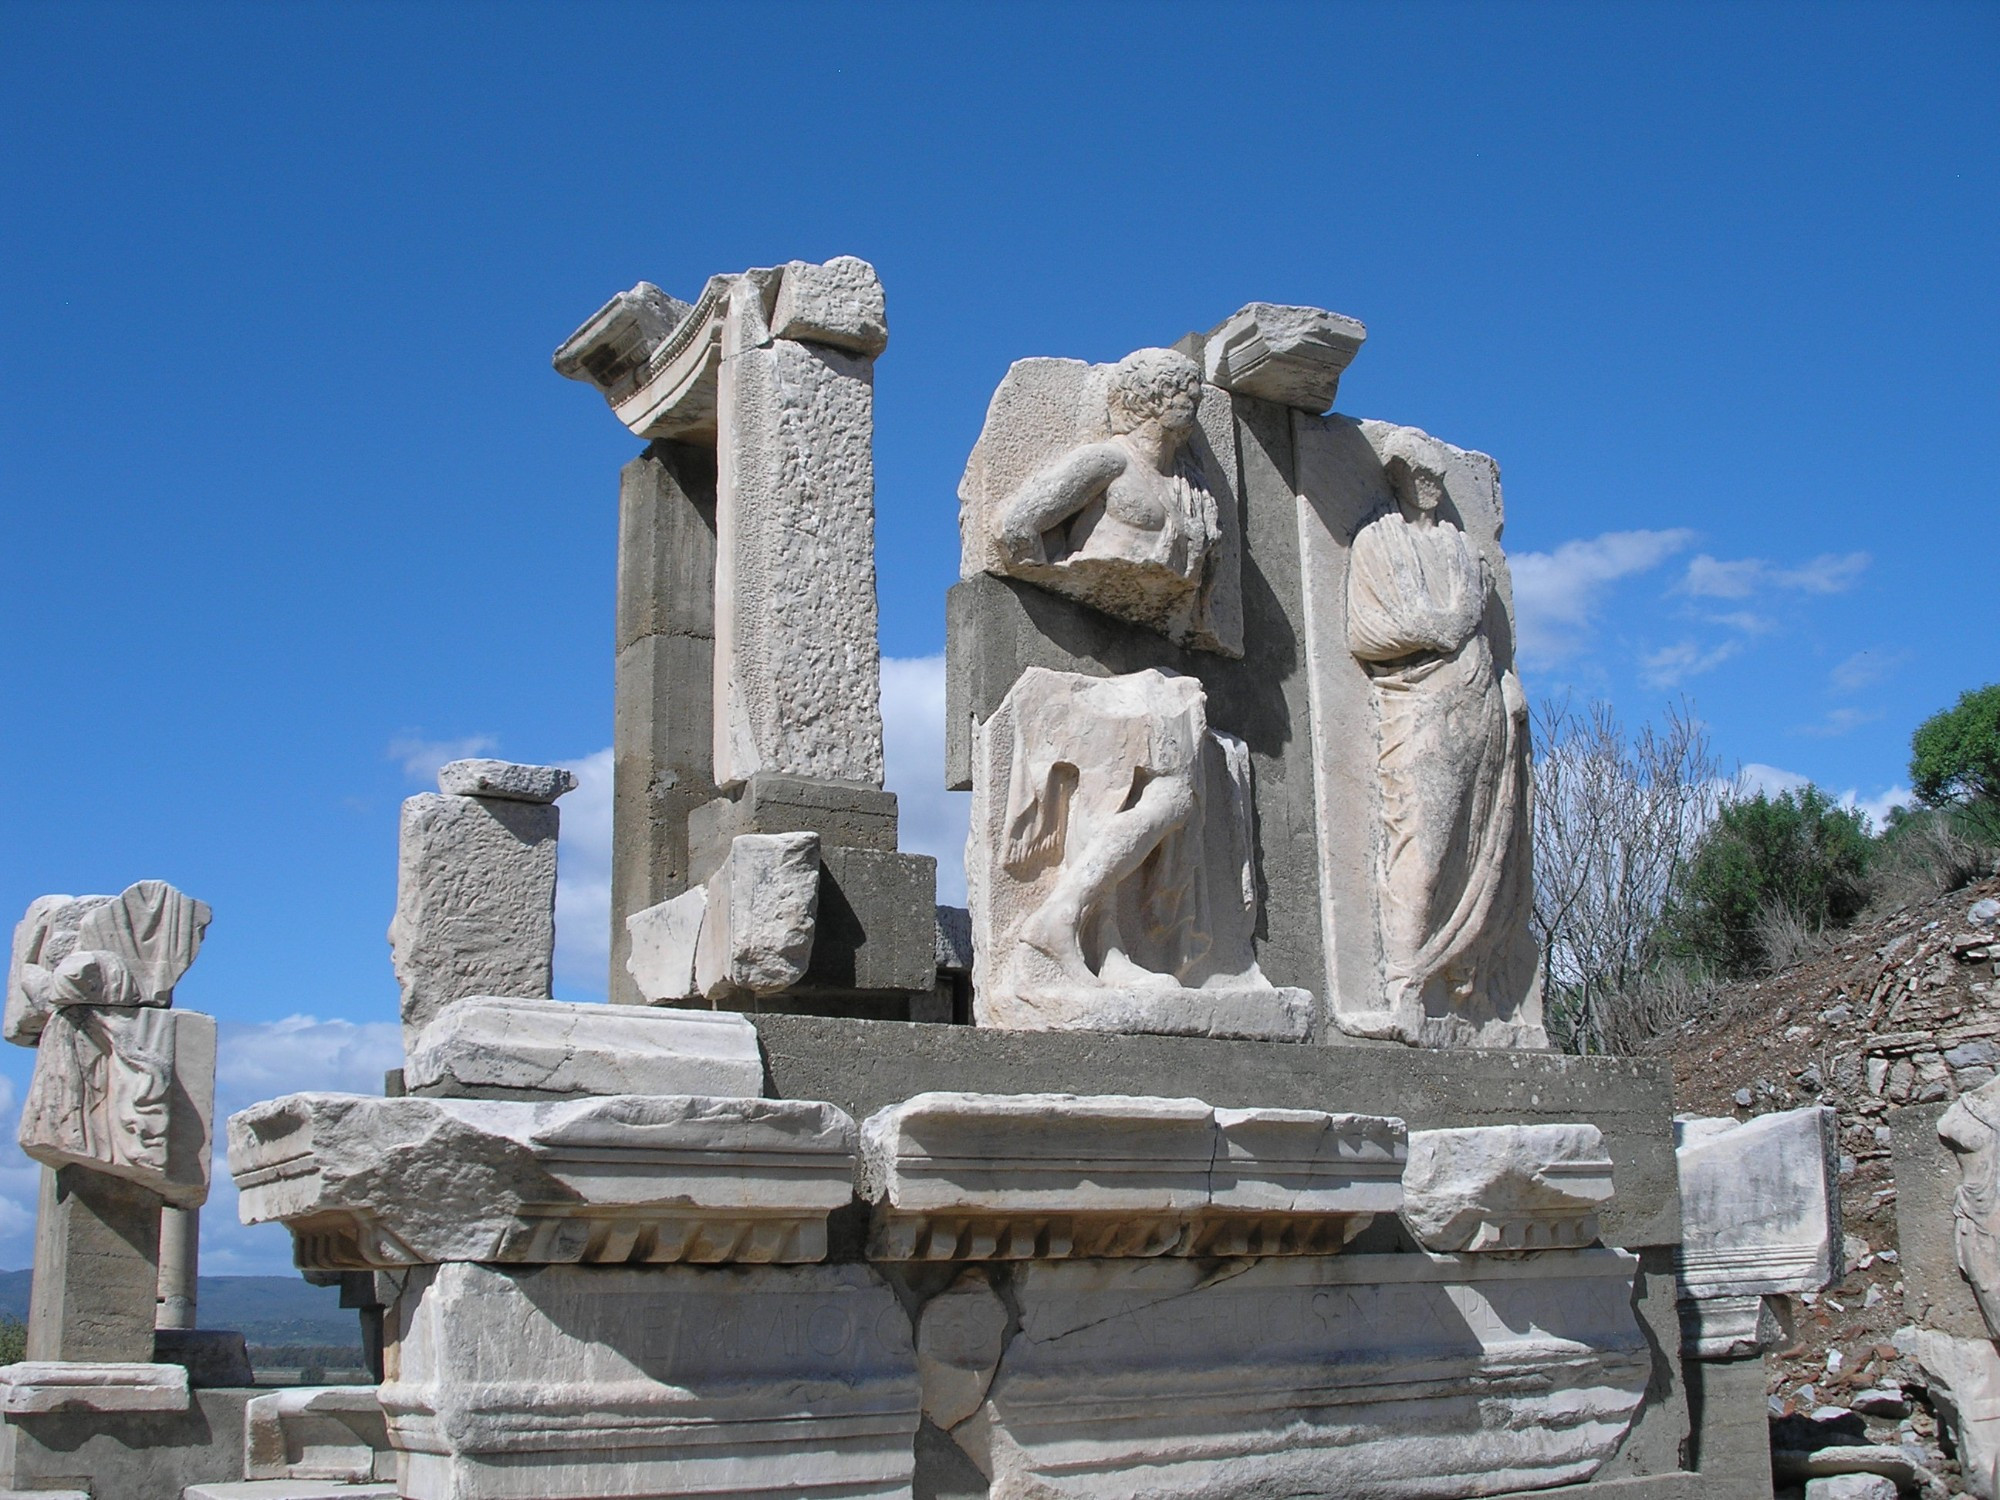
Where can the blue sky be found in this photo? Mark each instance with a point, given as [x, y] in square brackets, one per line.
[292, 505]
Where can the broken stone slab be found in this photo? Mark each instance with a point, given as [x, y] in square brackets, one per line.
[838, 303]
[1852, 1487]
[1506, 1187]
[33, 1387]
[1024, 1176]
[1902, 1465]
[505, 779]
[612, 350]
[748, 931]
[514, 1383]
[960, 1337]
[488, 1047]
[1720, 1328]
[1760, 1204]
[475, 902]
[329, 1432]
[1369, 1377]
[1291, 355]
[365, 1183]
[1962, 1378]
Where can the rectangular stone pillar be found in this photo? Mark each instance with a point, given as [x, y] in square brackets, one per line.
[661, 750]
[97, 1268]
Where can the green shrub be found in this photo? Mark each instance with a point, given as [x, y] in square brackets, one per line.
[13, 1340]
[1794, 862]
[1955, 755]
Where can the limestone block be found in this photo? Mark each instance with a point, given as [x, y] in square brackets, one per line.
[1419, 735]
[661, 946]
[126, 1091]
[1021, 1176]
[797, 662]
[485, 1047]
[1852, 1487]
[328, 1432]
[859, 817]
[1506, 1187]
[475, 902]
[839, 303]
[1963, 1377]
[1367, 1377]
[756, 932]
[37, 1386]
[96, 1282]
[954, 940]
[215, 1358]
[1760, 1204]
[571, 1382]
[505, 780]
[1110, 867]
[1115, 485]
[960, 1337]
[876, 927]
[1929, 1177]
[1291, 355]
[368, 1183]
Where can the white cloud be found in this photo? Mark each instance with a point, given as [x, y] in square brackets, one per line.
[1864, 669]
[1770, 780]
[1672, 665]
[1557, 594]
[1740, 578]
[583, 880]
[1840, 721]
[420, 758]
[933, 821]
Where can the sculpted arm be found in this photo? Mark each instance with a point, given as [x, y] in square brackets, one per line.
[1054, 495]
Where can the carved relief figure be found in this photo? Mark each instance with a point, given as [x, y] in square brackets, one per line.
[1126, 519]
[1113, 885]
[88, 986]
[1971, 1128]
[1453, 855]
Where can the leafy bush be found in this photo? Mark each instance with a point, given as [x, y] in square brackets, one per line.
[1929, 850]
[1955, 755]
[13, 1340]
[1764, 867]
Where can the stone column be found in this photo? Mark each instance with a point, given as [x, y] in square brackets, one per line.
[180, 1265]
[97, 1251]
[663, 721]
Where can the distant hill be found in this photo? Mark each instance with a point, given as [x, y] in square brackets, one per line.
[264, 1309]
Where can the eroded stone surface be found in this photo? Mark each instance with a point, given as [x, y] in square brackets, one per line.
[1532, 1370]
[1506, 1187]
[36, 1386]
[1022, 1176]
[486, 1047]
[839, 303]
[516, 1384]
[1964, 1383]
[1970, 1130]
[364, 1182]
[960, 1336]
[757, 928]
[1291, 355]
[505, 779]
[1110, 869]
[475, 902]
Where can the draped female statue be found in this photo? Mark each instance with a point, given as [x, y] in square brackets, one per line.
[1452, 741]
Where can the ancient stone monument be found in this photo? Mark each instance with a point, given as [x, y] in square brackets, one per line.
[1214, 1152]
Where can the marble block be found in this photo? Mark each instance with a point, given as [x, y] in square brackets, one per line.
[1506, 1187]
[1367, 1377]
[487, 1047]
[37, 1386]
[1050, 1176]
[1718, 1327]
[1291, 355]
[839, 303]
[506, 780]
[573, 1383]
[748, 931]
[368, 1183]
[1760, 1204]
[475, 902]
[328, 1432]
[1110, 868]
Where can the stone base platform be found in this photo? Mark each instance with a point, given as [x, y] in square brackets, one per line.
[127, 1455]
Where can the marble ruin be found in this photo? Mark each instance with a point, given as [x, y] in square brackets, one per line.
[1215, 1150]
